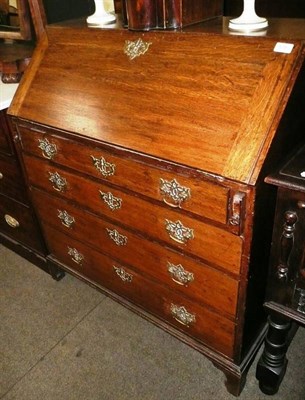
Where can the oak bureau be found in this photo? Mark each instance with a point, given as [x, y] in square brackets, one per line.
[145, 154]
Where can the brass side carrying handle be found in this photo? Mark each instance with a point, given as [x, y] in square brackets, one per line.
[76, 256]
[173, 193]
[179, 274]
[1, 175]
[181, 315]
[11, 221]
[122, 274]
[58, 182]
[49, 150]
[178, 232]
[104, 167]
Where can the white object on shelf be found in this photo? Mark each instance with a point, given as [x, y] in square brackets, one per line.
[100, 16]
[7, 91]
[249, 20]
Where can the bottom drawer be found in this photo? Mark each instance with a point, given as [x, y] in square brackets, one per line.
[17, 222]
[213, 330]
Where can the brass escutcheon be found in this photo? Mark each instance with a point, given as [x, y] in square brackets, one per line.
[65, 218]
[122, 274]
[181, 315]
[59, 183]
[119, 240]
[114, 203]
[174, 191]
[49, 150]
[178, 232]
[104, 167]
[135, 48]
[179, 274]
[76, 256]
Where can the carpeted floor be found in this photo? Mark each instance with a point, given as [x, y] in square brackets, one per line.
[66, 341]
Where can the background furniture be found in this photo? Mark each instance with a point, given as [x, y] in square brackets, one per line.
[285, 298]
[19, 229]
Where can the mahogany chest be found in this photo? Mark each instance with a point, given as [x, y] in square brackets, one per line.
[145, 154]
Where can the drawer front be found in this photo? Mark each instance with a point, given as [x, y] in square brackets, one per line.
[210, 243]
[5, 146]
[212, 329]
[195, 280]
[192, 194]
[17, 222]
[11, 181]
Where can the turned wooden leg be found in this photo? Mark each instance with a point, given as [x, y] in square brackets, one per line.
[272, 365]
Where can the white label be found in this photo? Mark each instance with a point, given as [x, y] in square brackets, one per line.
[302, 174]
[283, 47]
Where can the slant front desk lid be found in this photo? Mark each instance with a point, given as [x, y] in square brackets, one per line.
[207, 101]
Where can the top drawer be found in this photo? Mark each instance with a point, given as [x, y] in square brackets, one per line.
[183, 191]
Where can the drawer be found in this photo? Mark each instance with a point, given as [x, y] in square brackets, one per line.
[5, 146]
[212, 244]
[195, 195]
[211, 329]
[17, 222]
[192, 279]
[11, 180]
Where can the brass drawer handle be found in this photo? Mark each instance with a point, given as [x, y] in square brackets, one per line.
[114, 203]
[179, 274]
[122, 274]
[1, 175]
[66, 219]
[103, 166]
[59, 183]
[49, 150]
[178, 232]
[76, 256]
[181, 315]
[11, 221]
[119, 240]
[174, 191]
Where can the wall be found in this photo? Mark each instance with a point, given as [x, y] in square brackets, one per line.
[58, 10]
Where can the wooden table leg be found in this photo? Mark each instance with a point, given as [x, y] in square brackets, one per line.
[272, 365]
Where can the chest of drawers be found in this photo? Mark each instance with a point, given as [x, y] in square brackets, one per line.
[146, 170]
[19, 229]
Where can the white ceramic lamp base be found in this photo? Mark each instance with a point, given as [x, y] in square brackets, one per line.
[249, 20]
[101, 16]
